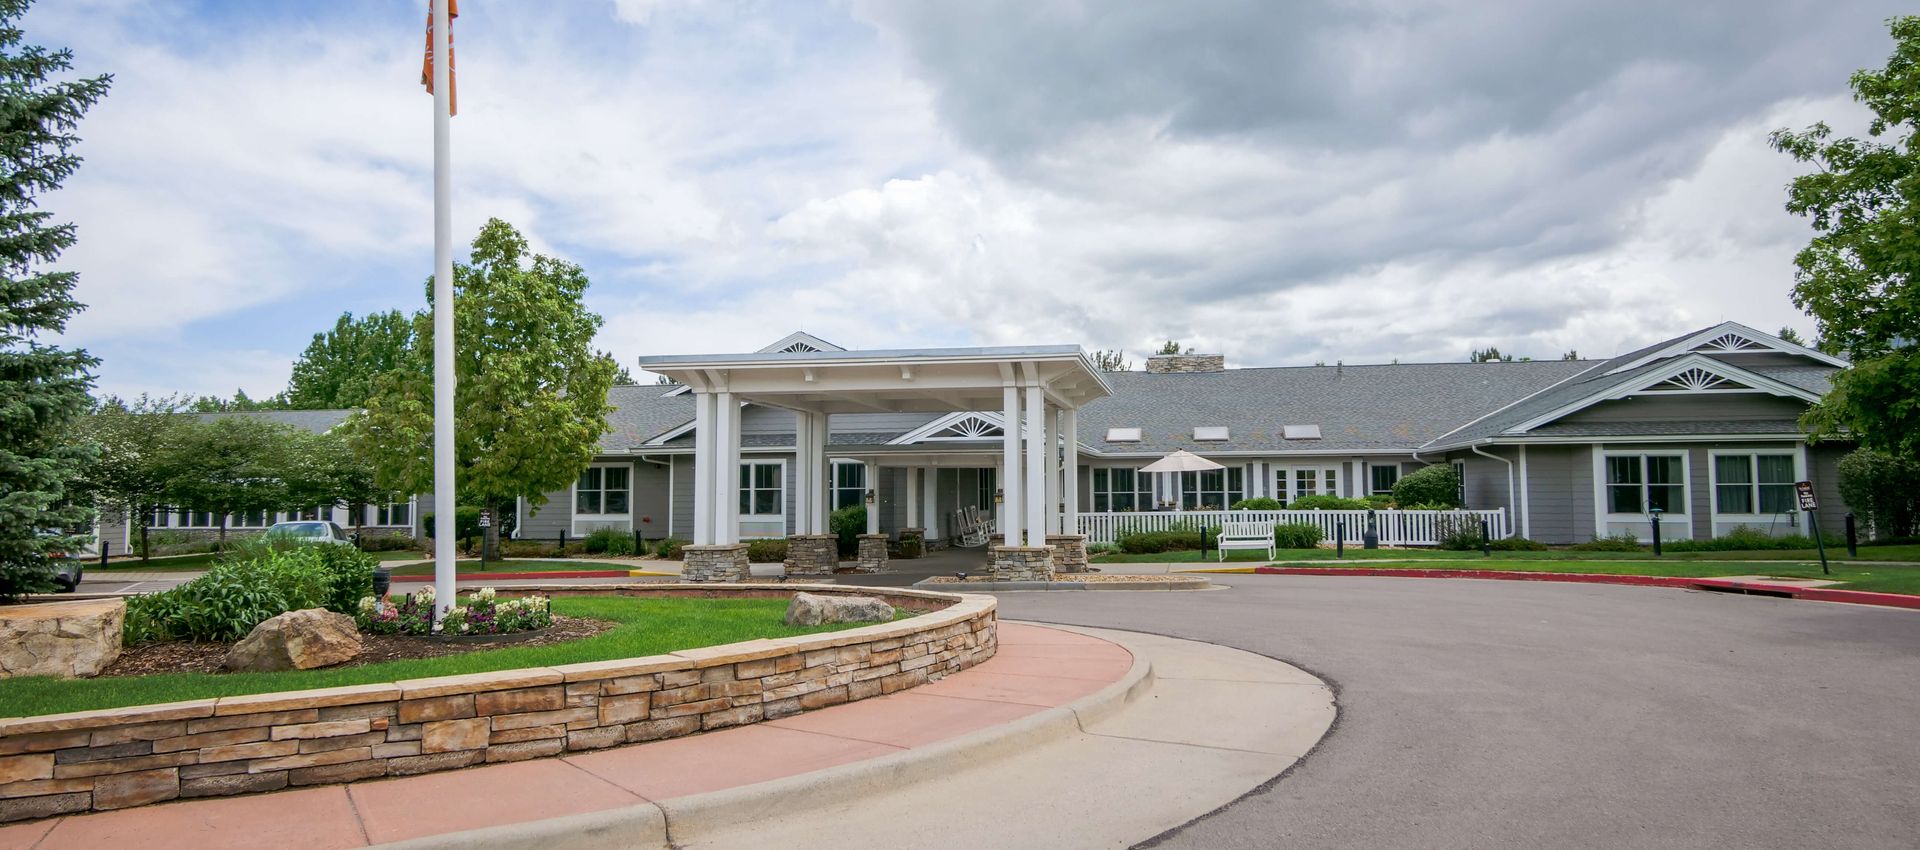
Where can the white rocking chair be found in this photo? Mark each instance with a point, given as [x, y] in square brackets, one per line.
[973, 530]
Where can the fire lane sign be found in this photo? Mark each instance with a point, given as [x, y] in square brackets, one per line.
[1804, 490]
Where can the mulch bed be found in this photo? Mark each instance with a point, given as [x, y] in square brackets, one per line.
[184, 657]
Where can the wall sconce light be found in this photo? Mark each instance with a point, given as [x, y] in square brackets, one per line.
[870, 497]
[1000, 496]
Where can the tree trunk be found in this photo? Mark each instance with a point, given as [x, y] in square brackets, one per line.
[489, 536]
[221, 546]
[146, 552]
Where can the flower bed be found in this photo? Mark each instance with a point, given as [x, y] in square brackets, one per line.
[483, 614]
[115, 758]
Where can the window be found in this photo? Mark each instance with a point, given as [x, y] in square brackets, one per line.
[1637, 484]
[252, 519]
[1213, 489]
[849, 484]
[1293, 483]
[1121, 489]
[1460, 483]
[1383, 476]
[161, 518]
[1753, 484]
[602, 490]
[394, 513]
[986, 486]
[763, 489]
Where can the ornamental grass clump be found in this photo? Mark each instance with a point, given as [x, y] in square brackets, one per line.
[481, 613]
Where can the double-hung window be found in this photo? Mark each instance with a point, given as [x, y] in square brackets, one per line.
[1121, 489]
[763, 489]
[1753, 484]
[602, 491]
[1382, 478]
[1637, 484]
[1213, 489]
[849, 484]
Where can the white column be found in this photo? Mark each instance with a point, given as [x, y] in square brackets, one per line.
[1054, 507]
[726, 473]
[930, 502]
[704, 442]
[873, 507]
[444, 457]
[1036, 498]
[1010, 515]
[822, 473]
[1525, 510]
[1070, 477]
[806, 474]
[913, 493]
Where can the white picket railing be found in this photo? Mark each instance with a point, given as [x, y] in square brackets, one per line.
[1397, 528]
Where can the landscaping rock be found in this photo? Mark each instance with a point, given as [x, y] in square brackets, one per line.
[66, 639]
[297, 640]
[807, 609]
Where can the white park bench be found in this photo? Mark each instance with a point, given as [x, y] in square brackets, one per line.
[1246, 535]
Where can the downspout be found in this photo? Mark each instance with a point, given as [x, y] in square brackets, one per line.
[1513, 502]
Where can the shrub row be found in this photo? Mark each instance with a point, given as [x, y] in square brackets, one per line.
[261, 581]
[1286, 535]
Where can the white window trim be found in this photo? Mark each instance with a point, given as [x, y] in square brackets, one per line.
[573, 500]
[1280, 479]
[782, 502]
[1600, 488]
[833, 481]
[1756, 519]
[1142, 491]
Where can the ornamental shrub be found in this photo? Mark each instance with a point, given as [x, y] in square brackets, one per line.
[1328, 503]
[227, 601]
[607, 541]
[848, 524]
[466, 522]
[670, 548]
[1621, 542]
[1155, 542]
[768, 551]
[1457, 533]
[1297, 535]
[1884, 492]
[1257, 503]
[1428, 485]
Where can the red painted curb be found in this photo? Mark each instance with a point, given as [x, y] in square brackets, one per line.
[1816, 594]
[555, 574]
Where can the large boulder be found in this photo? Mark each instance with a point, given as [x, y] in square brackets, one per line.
[297, 640]
[65, 639]
[807, 609]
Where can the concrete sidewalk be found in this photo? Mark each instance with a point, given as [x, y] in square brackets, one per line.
[1066, 738]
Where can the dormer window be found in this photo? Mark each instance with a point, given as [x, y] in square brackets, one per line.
[1123, 435]
[1300, 432]
[1210, 433]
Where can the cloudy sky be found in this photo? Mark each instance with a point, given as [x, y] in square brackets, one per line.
[1285, 183]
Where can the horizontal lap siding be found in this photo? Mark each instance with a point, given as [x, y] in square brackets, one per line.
[1560, 493]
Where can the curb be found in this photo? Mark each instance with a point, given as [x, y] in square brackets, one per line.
[1194, 583]
[1812, 594]
[679, 821]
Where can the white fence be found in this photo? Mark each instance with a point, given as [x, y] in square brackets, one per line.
[1397, 528]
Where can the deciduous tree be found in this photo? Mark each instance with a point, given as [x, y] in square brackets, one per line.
[339, 367]
[133, 470]
[1860, 275]
[531, 402]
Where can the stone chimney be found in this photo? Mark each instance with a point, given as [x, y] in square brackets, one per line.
[1162, 364]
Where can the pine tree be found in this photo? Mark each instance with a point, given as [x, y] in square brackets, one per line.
[43, 388]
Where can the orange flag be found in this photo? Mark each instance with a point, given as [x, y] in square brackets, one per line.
[426, 67]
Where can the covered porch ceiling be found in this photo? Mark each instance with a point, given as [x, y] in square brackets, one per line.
[925, 380]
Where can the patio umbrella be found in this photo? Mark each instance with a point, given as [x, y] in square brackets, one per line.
[1181, 461]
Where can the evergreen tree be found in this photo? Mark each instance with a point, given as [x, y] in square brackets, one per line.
[1489, 355]
[43, 388]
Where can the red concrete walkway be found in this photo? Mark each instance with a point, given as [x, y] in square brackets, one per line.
[1035, 669]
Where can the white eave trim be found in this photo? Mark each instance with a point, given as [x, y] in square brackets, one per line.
[1686, 345]
[1696, 360]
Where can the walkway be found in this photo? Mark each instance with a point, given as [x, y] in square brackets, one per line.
[881, 763]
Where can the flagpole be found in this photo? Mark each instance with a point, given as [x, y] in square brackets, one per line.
[446, 527]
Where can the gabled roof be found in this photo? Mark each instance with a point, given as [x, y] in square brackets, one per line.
[641, 413]
[1719, 348]
[801, 341]
[313, 421]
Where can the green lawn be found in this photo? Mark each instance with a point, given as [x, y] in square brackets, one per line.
[647, 627]
[1354, 553]
[1881, 579]
[465, 566]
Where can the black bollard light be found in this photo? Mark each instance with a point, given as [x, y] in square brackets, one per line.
[382, 582]
[1370, 538]
[1655, 513]
[106, 546]
[1853, 537]
[1339, 538]
[1486, 541]
[639, 545]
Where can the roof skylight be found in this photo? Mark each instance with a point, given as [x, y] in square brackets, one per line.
[1123, 435]
[1210, 432]
[1300, 432]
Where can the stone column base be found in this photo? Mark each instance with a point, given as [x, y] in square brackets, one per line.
[873, 553]
[1022, 563]
[812, 554]
[715, 562]
[1069, 552]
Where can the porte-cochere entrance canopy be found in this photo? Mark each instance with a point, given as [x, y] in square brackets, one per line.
[1037, 390]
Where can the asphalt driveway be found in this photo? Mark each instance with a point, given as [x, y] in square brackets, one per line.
[1479, 714]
